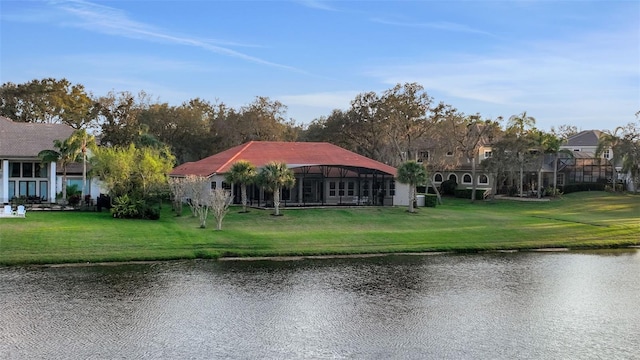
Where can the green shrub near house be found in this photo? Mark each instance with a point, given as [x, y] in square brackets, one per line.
[577, 187]
[430, 200]
[466, 193]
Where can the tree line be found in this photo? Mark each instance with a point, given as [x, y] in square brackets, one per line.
[397, 125]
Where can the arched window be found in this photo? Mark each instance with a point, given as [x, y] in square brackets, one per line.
[466, 179]
[453, 177]
[437, 178]
[483, 179]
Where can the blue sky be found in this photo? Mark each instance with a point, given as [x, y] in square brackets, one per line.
[564, 62]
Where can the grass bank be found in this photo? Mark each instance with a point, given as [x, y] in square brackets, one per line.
[579, 220]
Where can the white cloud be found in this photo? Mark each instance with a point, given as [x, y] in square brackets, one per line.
[112, 21]
[593, 77]
[438, 25]
[317, 4]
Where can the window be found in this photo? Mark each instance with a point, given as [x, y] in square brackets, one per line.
[226, 186]
[449, 153]
[332, 188]
[351, 188]
[27, 188]
[466, 179]
[483, 179]
[14, 169]
[40, 171]
[423, 156]
[44, 189]
[341, 188]
[12, 189]
[392, 187]
[487, 154]
[576, 149]
[437, 178]
[606, 154]
[453, 177]
[213, 185]
[365, 188]
[27, 169]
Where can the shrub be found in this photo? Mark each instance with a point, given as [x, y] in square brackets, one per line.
[74, 200]
[449, 187]
[466, 193]
[430, 200]
[125, 207]
[550, 191]
[577, 187]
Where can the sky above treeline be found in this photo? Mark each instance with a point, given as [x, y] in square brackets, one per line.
[563, 62]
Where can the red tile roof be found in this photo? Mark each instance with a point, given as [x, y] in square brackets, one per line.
[294, 154]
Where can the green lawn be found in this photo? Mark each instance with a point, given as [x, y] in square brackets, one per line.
[580, 220]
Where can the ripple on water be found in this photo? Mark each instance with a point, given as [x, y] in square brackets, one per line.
[569, 305]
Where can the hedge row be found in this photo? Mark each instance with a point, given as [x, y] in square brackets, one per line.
[569, 188]
[430, 200]
[466, 193]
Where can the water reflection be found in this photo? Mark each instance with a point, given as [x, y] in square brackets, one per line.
[521, 305]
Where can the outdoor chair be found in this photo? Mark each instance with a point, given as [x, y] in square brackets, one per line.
[7, 210]
[22, 212]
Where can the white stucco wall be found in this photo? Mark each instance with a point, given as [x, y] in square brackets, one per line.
[401, 198]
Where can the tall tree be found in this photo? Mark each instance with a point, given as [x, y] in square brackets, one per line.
[365, 126]
[553, 145]
[273, 177]
[405, 109]
[244, 173]
[85, 142]
[624, 143]
[119, 118]
[49, 100]
[413, 174]
[521, 127]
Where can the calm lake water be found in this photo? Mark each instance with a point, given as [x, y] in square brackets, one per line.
[492, 306]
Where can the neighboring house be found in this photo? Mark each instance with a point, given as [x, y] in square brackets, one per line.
[584, 166]
[22, 173]
[445, 163]
[326, 174]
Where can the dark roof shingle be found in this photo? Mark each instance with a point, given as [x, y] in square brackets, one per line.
[18, 139]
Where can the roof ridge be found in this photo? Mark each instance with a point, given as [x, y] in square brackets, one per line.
[235, 156]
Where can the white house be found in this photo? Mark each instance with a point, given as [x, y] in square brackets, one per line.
[22, 173]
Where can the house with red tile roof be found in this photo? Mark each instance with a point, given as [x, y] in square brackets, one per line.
[326, 174]
[22, 174]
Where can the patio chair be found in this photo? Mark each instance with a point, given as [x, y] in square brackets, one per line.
[7, 210]
[22, 212]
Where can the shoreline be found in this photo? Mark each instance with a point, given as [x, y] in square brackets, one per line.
[322, 257]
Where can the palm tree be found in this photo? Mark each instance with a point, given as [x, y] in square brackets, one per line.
[67, 152]
[624, 143]
[273, 177]
[85, 141]
[242, 172]
[412, 173]
[520, 126]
